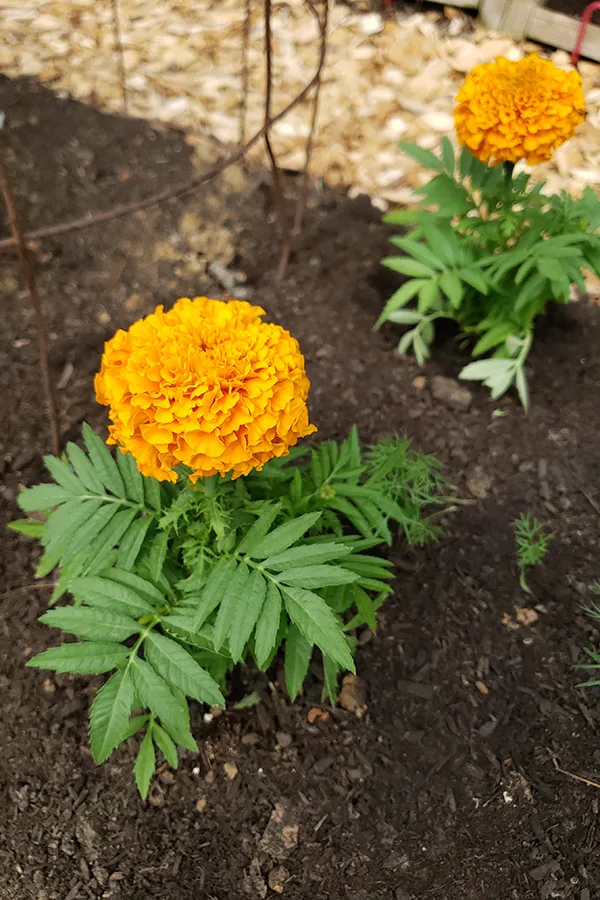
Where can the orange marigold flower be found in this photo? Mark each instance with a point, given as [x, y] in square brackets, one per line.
[507, 111]
[207, 384]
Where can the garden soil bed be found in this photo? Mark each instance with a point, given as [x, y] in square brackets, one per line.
[446, 788]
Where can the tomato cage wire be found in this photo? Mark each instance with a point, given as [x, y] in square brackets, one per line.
[588, 12]
[586, 18]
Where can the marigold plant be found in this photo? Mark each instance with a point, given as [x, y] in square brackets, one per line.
[207, 385]
[492, 249]
[178, 574]
[507, 111]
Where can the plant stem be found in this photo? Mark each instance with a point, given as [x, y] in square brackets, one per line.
[210, 486]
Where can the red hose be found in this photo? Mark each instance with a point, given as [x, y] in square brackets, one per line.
[585, 21]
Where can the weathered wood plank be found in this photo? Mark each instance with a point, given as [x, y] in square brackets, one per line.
[560, 31]
[511, 16]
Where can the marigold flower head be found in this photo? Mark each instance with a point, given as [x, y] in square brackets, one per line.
[207, 384]
[507, 111]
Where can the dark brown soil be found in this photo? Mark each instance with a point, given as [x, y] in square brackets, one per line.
[446, 789]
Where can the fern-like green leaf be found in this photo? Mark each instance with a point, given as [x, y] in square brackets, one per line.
[109, 714]
[298, 652]
[267, 627]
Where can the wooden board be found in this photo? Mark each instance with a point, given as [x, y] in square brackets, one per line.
[530, 19]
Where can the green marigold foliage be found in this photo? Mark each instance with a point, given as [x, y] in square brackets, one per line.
[489, 251]
[173, 584]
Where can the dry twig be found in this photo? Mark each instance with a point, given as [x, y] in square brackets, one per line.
[245, 71]
[29, 281]
[301, 204]
[277, 186]
[119, 51]
[576, 777]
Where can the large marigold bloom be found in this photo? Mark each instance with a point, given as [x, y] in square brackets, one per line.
[507, 111]
[207, 384]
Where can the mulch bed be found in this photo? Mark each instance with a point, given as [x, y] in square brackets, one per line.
[446, 787]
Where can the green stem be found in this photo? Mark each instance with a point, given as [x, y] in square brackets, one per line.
[525, 348]
[210, 485]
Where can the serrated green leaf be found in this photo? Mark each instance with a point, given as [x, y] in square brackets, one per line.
[354, 516]
[465, 162]
[354, 450]
[441, 238]
[420, 347]
[214, 590]
[402, 217]
[418, 250]
[111, 534]
[401, 297]
[534, 286]
[284, 536]
[179, 626]
[405, 265]
[84, 469]
[132, 542]
[109, 714]
[318, 624]
[493, 338]
[91, 624]
[429, 296]
[364, 605]
[370, 566]
[317, 576]
[180, 670]
[245, 615]
[316, 468]
[296, 488]
[87, 533]
[499, 384]
[306, 555]
[452, 199]
[107, 594]
[486, 368]
[154, 693]
[424, 157]
[451, 285]
[63, 475]
[330, 675]
[134, 725]
[141, 586]
[87, 658]
[406, 341]
[60, 529]
[525, 269]
[475, 278]
[42, 497]
[30, 527]
[405, 317]
[132, 477]
[522, 389]
[145, 764]
[252, 699]
[298, 652]
[259, 529]
[235, 594]
[448, 155]
[165, 745]
[152, 493]
[103, 463]
[268, 625]
[158, 554]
